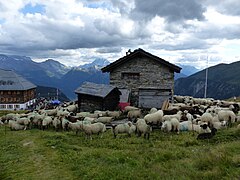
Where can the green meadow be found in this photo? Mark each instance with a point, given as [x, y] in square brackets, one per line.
[36, 154]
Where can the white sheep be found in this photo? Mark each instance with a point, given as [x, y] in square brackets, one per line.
[127, 127]
[171, 125]
[153, 110]
[15, 126]
[92, 120]
[56, 123]
[72, 108]
[227, 116]
[47, 120]
[143, 128]
[96, 128]
[100, 113]
[169, 117]
[24, 121]
[114, 114]
[104, 120]
[155, 118]
[77, 126]
[203, 128]
[130, 108]
[64, 123]
[206, 117]
[183, 126]
[134, 114]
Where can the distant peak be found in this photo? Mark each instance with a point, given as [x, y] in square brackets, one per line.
[98, 63]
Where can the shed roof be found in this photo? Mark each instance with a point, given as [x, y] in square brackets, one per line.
[137, 53]
[9, 80]
[99, 90]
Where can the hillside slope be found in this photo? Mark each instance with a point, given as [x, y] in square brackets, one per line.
[223, 82]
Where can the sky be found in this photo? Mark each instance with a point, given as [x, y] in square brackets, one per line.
[199, 33]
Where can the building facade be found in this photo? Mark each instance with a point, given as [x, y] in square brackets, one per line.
[15, 92]
[149, 78]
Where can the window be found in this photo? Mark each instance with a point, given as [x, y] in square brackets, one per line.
[3, 106]
[131, 75]
[16, 106]
[9, 106]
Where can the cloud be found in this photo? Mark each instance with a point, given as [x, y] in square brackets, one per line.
[75, 31]
[172, 11]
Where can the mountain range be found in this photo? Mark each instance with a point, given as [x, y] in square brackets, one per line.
[223, 79]
[51, 73]
[222, 82]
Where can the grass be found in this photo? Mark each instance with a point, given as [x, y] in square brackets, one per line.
[36, 154]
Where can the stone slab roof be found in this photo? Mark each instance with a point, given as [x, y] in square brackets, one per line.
[99, 90]
[137, 53]
[9, 80]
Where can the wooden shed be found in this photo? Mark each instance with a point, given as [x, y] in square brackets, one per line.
[93, 97]
[150, 79]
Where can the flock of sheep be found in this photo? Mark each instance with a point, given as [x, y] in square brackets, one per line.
[204, 116]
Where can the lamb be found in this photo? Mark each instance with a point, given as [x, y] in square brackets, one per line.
[172, 125]
[96, 128]
[134, 114]
[207, 135]
[128, 128]
[154, 118]
[104, 120]
[143, 128]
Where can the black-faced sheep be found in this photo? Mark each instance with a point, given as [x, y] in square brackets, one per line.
[207, 135]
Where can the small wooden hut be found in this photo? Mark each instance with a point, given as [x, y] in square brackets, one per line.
[93, 97]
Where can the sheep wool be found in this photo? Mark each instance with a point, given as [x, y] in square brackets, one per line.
[154, 118]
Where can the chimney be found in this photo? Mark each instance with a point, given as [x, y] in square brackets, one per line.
[128, 52]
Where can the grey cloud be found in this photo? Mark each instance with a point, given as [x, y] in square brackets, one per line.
[109, 50]
[172, 11]
[187, 44]
[230, 7]
[218, 32]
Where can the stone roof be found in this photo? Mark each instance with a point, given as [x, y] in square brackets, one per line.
[137, 53]
[99, 90]
[9, 80]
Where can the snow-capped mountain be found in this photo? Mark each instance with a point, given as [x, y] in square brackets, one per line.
[97, 64]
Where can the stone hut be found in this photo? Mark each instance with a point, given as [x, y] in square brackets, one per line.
[93, 97]
[149, 79]
[15, 91]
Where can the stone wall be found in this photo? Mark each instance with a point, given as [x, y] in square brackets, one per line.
[151, 73]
